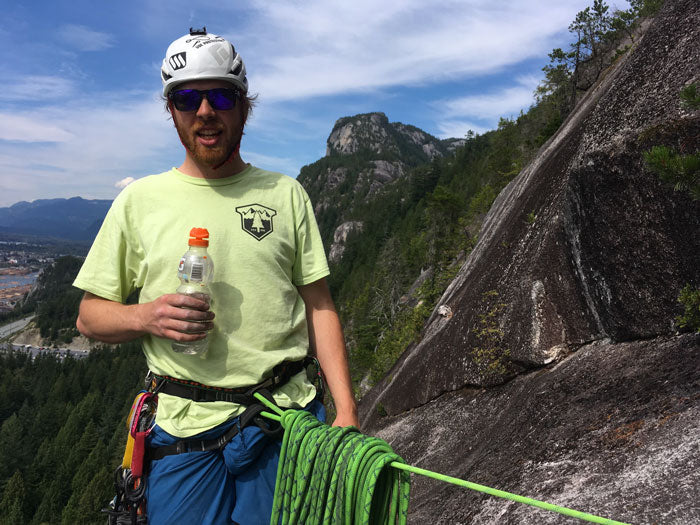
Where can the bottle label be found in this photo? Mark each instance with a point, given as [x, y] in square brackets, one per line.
[181, 265]
[197, 272]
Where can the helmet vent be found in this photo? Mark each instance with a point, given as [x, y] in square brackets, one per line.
[235, 71]
[165, 76]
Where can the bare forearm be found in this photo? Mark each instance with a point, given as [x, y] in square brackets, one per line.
[326, 340]
[172, 316]
[108, 321]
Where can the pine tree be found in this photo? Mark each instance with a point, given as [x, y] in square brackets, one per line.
[11, 439]
[13, 501]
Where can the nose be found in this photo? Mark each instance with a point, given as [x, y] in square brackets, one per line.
[205, 110]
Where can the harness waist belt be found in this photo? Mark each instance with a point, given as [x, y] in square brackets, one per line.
[205, 393]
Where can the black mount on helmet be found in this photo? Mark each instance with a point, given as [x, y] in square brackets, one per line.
[202, 31]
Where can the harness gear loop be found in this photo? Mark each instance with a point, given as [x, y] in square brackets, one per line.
[129, 505]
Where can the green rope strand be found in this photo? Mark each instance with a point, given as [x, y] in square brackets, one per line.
[333, 476]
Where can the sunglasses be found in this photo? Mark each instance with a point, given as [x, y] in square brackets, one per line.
[190, 99]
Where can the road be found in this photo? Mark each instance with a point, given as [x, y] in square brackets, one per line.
[15, 326]
[36, 350]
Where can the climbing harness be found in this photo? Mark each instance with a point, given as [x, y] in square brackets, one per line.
[250, 415]
[281, 374]
[129, 506]
[336, 475]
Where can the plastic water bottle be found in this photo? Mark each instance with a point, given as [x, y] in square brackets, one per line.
[195, 272]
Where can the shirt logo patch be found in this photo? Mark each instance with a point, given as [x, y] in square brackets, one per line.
[256, 219]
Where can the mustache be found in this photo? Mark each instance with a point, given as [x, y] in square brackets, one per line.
[209, 125]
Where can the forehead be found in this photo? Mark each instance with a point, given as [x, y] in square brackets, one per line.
[204, 84]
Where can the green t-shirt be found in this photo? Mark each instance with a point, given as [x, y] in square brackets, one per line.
[263, 241]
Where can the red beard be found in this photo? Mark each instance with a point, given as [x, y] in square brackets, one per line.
[215, 155]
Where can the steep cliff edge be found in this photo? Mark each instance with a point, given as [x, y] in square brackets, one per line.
[568, 302]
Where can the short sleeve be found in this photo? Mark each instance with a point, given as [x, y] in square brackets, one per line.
[111, 266]
[310, 262]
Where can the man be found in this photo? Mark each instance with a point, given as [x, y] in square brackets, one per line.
[269, 298]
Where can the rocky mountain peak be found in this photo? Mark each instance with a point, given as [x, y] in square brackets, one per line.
[373, 132]
[365, 154]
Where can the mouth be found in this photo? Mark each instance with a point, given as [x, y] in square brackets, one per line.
[208, 137]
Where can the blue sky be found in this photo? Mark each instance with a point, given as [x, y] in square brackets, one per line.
[80, 113]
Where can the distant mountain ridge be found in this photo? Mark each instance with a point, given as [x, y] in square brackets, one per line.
[363, 154]
[73, 219]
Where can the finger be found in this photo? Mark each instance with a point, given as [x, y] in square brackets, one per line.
[192, 328]
[184, 337]
[196, 302]
[189, 314]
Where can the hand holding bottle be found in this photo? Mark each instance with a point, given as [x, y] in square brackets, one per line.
[195, 271]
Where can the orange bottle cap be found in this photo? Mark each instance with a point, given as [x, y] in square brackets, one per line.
[199, 237]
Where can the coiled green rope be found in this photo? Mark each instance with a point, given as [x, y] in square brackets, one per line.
[334, 475]
[361, 489]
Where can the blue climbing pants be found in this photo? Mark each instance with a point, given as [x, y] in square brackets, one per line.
[235, 485]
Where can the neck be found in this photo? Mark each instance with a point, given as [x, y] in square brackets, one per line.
[193, 168]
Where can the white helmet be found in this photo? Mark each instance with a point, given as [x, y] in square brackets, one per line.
[202, 56]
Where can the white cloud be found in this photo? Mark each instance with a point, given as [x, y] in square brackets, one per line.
[322, 48]
[504, 102]
[294, 51]
[280, 164]
[481, 112]
[35, 88]
[34, 128]
[99, 144]
[459, 129]
[121, 184]
[83, 38]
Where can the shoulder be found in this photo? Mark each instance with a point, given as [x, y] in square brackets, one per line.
[143, 186]
[280, 181]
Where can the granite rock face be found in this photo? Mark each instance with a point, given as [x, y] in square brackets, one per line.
[611, 430]
[340, 236]
[585, 243]
[551, 366]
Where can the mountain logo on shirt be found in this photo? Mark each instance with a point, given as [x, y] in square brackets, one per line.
[256, 219]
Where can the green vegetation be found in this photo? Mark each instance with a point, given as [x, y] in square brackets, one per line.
[690, 299]
[62, 433]
[680, 171]
[490, 356]
[598, 35]
[690, 98]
